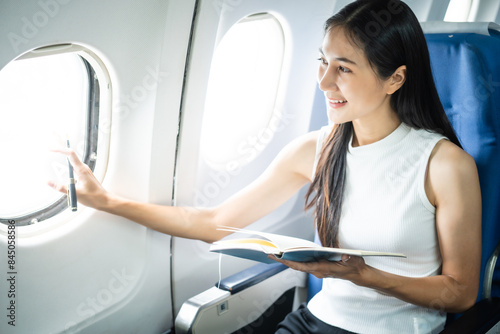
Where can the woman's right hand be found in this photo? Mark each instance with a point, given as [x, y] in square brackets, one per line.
[89, 190]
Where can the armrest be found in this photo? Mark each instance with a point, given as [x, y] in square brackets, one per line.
[489, 271]
[249, 277]
[259, 296]
[481, 318]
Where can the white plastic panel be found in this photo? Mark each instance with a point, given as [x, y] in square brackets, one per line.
[425, 10]
[198, 183]
[91, 272]
[429, 10]
[485, 11]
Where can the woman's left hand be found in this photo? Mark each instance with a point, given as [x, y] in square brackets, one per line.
[349, 267]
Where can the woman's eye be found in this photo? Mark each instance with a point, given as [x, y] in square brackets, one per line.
[344, 70]
[322, 61]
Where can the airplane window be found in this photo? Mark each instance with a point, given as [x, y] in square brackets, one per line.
[458, 11]
[45, 101]
[240, 113]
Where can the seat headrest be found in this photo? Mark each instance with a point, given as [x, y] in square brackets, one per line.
[440, 27]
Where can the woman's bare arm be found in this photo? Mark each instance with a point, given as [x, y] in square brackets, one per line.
[290, 170]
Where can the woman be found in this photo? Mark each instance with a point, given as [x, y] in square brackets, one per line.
[389, 175]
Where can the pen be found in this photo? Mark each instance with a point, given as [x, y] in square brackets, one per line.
[71, 186]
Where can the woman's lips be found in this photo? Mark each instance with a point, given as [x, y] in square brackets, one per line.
[337, 103]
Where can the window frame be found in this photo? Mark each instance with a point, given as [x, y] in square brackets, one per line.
[92, 122]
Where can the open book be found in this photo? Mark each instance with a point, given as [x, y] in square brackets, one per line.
[286, 248]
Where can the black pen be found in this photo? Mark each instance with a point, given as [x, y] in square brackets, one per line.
[71, 186]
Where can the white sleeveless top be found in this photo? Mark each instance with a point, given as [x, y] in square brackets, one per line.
[385, 208]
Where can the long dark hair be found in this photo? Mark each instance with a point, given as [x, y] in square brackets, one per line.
[390, 36]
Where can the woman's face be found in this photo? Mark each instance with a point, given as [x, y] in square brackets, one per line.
[352, 89]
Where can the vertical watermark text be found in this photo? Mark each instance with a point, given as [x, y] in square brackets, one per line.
[11, 272]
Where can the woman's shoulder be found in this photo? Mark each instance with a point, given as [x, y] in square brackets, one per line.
[304, 144]
[425, 135]
[450, 166]
[440, 149]
[446, 153]
[299, 155]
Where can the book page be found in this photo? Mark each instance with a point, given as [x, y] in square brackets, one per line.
[247, 250]
[253, 241]
[281, 241]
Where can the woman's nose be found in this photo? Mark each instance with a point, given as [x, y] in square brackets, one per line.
[327, 80]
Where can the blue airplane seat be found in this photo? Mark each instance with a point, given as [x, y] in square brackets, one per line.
[466, 70]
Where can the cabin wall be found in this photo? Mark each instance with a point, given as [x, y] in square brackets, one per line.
[91, 272]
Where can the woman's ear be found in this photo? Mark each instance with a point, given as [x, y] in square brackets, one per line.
[396, 80]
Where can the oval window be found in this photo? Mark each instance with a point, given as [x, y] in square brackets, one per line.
[45, 101]
[241, 94]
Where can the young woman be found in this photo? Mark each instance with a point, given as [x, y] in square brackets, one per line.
[388, 175]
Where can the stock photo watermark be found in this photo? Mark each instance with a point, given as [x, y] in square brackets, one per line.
[380, 20]
[32, 25]
[11, 273]
[126, 103]
[483, 91]
[88, 309]
[448, 295]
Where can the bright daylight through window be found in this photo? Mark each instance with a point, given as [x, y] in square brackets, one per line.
[458, 11]
[44, 100]
[241, 94]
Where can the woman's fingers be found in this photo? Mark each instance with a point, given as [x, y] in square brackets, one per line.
[346, 268]
[80, 169]
[302, 266]
[78, 165]
[345, 258]
[89, 190]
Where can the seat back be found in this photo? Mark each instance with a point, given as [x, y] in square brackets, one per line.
[465, 60]
[466, 67]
